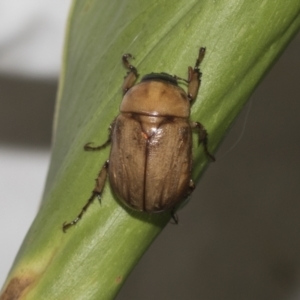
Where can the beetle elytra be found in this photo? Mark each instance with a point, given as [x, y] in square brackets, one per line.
[150, 162]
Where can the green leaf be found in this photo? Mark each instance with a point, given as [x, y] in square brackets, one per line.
[242, 38]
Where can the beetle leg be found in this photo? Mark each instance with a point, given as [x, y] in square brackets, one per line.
[191, 186]
[194, 76]
[88, 147]
[131, 76]
[174, 217]
[97, 191]
[202, 138]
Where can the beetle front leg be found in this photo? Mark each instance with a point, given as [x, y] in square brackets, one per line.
[97, 191]
[194, 78]
[131, 76]
[202, 138]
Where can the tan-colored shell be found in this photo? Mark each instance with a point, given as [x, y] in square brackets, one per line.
[150, 161]
[146, 152]
[156, 98]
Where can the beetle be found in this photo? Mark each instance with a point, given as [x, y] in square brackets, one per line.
[150, 162]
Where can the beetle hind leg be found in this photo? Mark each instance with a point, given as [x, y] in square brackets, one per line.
[131, 76]
[174, 217]
[202, 138]
[97, 191]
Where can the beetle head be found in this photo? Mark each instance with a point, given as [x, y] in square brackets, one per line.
[160, 77]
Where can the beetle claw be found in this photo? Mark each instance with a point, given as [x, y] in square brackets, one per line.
[174, 217]
[87, 146]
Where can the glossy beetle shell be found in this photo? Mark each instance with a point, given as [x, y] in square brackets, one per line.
[150, 161]
[151, 154]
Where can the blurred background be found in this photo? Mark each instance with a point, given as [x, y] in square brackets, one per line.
[239, 237]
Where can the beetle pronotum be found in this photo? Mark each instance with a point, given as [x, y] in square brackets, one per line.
[150, 162]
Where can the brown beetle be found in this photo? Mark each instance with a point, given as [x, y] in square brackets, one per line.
[150, 161]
